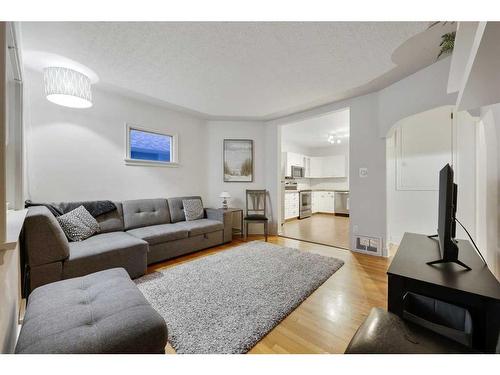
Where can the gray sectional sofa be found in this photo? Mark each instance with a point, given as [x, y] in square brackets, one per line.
[139, 233]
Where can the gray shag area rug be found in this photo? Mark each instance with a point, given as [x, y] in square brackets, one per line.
[226, 302]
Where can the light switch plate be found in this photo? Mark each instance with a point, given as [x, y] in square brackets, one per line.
[363, 172]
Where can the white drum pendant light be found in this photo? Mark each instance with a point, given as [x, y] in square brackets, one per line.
[67, 87]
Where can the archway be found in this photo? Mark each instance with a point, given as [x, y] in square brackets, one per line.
[417, 147]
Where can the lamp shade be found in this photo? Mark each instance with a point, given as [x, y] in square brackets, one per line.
[225, 194]
[67, 87]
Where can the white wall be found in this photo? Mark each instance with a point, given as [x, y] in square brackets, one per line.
[288, 146]
[488, 173]
[75, 154]
[10, 282]
[216, 132]
[464, 160]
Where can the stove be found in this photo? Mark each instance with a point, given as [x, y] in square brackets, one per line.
[305, 204]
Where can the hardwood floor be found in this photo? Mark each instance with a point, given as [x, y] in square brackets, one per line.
[328, 318]
[325, 229]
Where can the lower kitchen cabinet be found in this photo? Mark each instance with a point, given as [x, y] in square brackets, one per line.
[291, 205]
[323, 201]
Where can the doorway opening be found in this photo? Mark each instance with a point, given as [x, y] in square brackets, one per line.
[417, 147]
[314, 179]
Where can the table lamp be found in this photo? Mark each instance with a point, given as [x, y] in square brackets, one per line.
[224, 195]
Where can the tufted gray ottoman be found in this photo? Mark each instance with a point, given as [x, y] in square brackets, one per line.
[103, 312]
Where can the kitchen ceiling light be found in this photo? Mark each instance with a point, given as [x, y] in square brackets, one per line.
[336, 137]
[67, 87]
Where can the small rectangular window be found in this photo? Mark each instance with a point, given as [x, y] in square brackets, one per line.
[149, 147]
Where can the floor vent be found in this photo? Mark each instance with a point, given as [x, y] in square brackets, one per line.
[369, 245]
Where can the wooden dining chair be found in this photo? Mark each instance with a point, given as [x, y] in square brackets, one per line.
[256, 210]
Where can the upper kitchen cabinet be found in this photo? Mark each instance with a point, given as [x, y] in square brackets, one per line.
[315, 166]
[292, 159]
[327, 166]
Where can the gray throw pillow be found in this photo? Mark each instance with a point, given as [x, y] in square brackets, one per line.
[193, 209]
[78, 224]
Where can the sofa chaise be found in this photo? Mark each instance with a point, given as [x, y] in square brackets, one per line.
[136, 234]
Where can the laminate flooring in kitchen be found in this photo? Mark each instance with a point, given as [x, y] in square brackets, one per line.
[324, 229]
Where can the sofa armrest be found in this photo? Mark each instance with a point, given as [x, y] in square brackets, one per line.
[225, 217]
[44, 240]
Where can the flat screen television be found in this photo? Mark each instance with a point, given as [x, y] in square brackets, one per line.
[447, 209]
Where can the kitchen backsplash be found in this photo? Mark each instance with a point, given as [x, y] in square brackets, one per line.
[323, 183]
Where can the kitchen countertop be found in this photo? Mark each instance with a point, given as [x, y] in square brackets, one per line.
[334, 190]
[313, 190]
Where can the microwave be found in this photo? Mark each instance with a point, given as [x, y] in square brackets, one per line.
[298, 172]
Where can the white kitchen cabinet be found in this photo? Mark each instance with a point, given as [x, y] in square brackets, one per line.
[307, 166]
[323, 201]
[327, 166]
[315, 201]
[292, 159]
[333, 166]
[329, 202]
[291, 205]
[315, 166]
[296, 159]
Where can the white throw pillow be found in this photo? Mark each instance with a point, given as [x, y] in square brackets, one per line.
[193, 209]
[78, 224]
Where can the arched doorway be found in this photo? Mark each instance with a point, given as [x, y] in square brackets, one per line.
[417, 147]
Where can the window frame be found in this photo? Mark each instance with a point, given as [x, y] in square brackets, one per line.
[174, 159]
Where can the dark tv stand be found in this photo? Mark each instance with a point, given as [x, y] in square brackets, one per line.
[476, 290]
[441, 261]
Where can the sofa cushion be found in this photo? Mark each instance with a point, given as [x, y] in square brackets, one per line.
[95, 208]
[176, 208]
[44, 240]
[111, 221]
[99, 313]
[144, 212]
[106, 250]
[155, 234]
[193, 209]
[78, 224]
[202, 226]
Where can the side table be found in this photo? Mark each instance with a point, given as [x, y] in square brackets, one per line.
[240, 211]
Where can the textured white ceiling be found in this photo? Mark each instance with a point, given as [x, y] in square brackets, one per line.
[313, 132]
[224, 69]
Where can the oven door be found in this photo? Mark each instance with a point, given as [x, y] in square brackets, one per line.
[305, 204]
